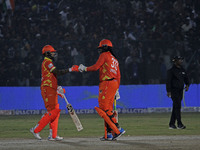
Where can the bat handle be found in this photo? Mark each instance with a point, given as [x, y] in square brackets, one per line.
[115, 110]
[115, 104]
[65, 99]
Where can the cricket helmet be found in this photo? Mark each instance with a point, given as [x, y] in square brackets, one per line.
[48, 48]
[104, 43]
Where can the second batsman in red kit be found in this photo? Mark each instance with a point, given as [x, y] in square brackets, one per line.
[109, 77]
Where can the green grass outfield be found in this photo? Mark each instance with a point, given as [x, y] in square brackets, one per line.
[134, 124]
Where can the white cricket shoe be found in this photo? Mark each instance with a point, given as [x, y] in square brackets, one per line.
[57, 138]
[50, 138]
[36, 135]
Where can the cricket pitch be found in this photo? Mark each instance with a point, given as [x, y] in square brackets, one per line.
[123, 143]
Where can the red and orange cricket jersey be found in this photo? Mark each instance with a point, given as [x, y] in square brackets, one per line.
[48, 78]
[108, 67]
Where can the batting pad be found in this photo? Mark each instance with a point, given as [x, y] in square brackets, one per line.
[107, 120]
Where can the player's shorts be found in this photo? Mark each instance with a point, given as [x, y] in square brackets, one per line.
[50, 97]
[107, 90]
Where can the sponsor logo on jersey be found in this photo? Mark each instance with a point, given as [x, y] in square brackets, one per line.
[50, 65]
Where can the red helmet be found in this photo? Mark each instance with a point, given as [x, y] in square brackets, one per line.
[48, 48]
[105, 42]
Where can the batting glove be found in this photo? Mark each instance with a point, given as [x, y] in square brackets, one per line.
[82, 68]
[117, 96]
[60, 95]
[74, 68]
[60, 91]
[115, 113]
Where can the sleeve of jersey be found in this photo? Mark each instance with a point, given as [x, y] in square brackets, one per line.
[98, 64]
[50, 66]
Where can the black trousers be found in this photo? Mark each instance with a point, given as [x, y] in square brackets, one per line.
[177, 95]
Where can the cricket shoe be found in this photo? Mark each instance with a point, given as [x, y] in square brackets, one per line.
[116, 136]
[57, 138]
[36, 135]
[109, 137]
[172, 127]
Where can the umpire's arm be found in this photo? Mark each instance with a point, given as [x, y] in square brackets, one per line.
[186, 81]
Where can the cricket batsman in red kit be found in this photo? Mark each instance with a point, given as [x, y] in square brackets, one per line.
[49, 94]
[109, 76]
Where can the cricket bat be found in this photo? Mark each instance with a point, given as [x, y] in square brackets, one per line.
[115, 109]
[73, 115]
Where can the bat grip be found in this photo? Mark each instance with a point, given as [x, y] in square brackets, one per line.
[115, 104]
[65, 99]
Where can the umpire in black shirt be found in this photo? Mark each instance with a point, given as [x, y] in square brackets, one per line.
[176, 78]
